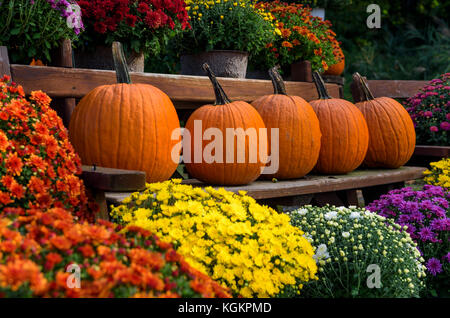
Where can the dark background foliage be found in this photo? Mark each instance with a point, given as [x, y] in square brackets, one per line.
[413, 42]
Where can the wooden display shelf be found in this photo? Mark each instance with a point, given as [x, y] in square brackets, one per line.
[336, 189]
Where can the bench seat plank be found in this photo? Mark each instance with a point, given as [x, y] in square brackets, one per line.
[310, 184]
[108, 179]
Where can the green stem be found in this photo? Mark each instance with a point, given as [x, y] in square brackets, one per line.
[320, 85]
[363, 87]
[277, 81]
[221, 97]
[120, 64]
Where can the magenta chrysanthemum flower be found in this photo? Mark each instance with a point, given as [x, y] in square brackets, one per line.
[429, 110]
[426, 234]
[425, 215]
[434, 266]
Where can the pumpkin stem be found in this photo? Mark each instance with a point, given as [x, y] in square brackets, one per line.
[221, 97]
[120, 64]
[320, 85]
[363, 87]
[277, 81]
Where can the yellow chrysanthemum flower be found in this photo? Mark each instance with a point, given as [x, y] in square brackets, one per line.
[248, 247]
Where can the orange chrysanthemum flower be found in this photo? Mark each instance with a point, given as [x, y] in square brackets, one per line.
[287, 44]
[14, 164]
[34, 148]
[40, 98]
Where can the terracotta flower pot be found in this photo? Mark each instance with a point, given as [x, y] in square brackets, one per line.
[102, 59]
[224, 63]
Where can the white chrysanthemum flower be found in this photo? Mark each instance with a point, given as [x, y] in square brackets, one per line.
[355, 215]
[345, 234]
[331, 215]
[321, 253]
[302, 211]
[322, 248]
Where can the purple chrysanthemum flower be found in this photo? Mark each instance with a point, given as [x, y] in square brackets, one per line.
[426, 234]
[403, 218]
[447, 257]
[434, 266]
[426, 205]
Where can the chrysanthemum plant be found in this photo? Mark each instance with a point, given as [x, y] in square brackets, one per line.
[424, 215]
[250, 248]
[32, 28]
[439, 173]
[359, 254]
[140, 25]
[38, 166]
[430, 111]
[300, 36]
[41, 252]
[226, 25]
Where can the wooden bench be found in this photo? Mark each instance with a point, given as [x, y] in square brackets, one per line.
[316, 189]
[66, 84]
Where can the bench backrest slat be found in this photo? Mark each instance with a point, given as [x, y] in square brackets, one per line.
[390, 88]
[66, 82]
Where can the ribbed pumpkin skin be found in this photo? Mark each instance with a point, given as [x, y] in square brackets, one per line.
[126, 126]
[392, 134]
[232, 115]
[299, 133]
[345, 136]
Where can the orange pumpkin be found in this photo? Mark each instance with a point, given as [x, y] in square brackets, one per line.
[338, 68]
[391, 129]
[230, 166]
[126, 126]
[345, 136]
[299, 130]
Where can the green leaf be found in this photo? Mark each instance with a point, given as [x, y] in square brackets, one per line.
[15, 31]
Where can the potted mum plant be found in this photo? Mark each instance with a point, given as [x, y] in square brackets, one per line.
[142, 26]
[429, 110]
[224, 34]
[424, 215]
[32, 29]
[300, 37]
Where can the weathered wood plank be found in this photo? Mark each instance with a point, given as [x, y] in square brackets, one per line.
[63, 58]
[432, 151]
[301, 72]
[108, 179]
[333, 79]
[63, 82]
[358, 179]
[63, 54]
[389, 88]
[5, 67]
